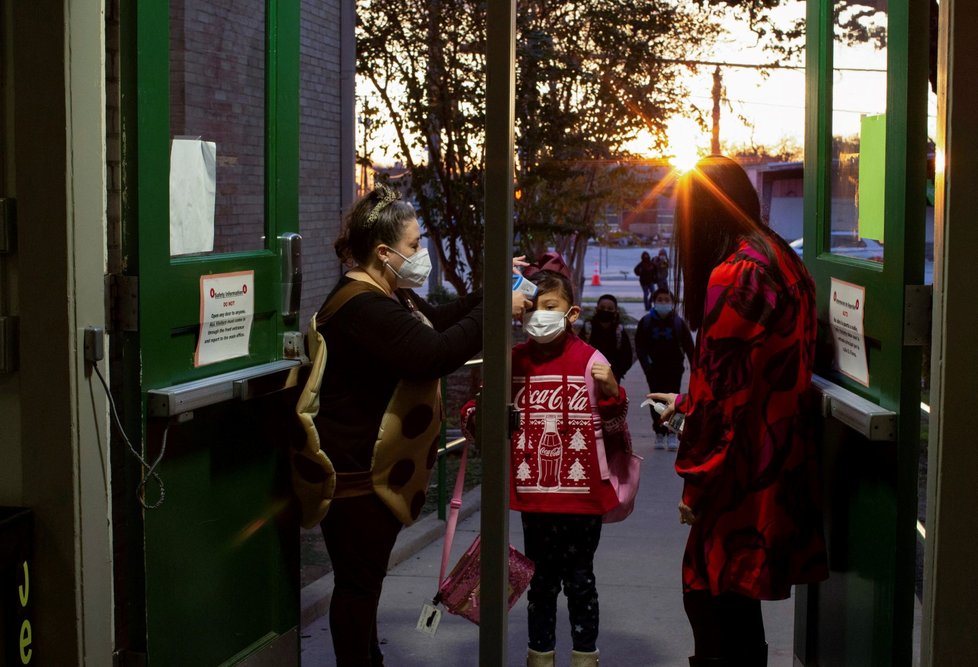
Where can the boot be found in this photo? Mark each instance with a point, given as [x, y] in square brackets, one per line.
[581, 659]
[755, 657]
[540, 658]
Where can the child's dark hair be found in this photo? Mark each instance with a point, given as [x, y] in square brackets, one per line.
[549, 281]
[376, 218]
[663, 290]
[608, 297]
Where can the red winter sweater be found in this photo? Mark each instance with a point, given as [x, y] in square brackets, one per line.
[558, 460]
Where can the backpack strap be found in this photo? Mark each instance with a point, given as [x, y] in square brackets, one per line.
[341, 297]
[314, 479]
[313, 474]
[452, 521]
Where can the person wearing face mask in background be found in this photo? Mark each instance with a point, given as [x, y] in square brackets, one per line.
[387, 348]
[646, 272]
[607, 334]
[569, 403]
[661, 264]
[662, 339]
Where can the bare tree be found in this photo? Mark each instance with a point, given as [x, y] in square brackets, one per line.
[590, 76]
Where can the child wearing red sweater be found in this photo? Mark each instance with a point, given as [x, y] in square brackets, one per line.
[569, 400]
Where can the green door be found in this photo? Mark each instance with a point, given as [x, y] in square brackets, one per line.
[865, 198]
[210, 152]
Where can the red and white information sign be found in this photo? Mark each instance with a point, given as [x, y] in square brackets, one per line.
[227, 308]
[847, 305]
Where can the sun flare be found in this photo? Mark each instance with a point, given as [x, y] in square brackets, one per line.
[684, 137]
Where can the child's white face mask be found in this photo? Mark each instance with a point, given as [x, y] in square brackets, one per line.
[545, 325]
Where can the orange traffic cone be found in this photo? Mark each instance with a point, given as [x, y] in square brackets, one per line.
[596, 277]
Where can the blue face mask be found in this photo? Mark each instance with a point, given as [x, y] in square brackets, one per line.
[663, 309]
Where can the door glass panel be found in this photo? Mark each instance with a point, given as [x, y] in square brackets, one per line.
[217, 95]
[858, 129]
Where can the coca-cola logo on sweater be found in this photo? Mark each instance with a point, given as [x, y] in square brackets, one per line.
[551, 398]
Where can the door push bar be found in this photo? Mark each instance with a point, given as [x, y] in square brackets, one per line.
[867, 418]
[243, 385]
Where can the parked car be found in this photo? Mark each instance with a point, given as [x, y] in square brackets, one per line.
[849, 245]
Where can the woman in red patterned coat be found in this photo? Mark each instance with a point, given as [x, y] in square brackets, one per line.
[746, 453]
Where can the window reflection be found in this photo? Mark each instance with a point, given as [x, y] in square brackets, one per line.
[217, 93]
[858, 129]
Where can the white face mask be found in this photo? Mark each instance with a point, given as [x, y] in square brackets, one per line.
[414, 271]
[663, 309]
[545, 325]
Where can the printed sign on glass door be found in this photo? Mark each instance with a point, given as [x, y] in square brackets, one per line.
[227, 309]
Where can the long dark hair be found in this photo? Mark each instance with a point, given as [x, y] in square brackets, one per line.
[717, 209]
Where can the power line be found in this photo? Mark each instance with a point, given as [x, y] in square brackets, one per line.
[759, 66]
[717, 91]
[780, 106]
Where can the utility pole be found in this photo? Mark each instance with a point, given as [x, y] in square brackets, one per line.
[365, 122]
[717, 90]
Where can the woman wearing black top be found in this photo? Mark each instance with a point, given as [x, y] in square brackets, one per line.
[386, 350]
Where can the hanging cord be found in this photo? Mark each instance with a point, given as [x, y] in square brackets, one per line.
[150, 469]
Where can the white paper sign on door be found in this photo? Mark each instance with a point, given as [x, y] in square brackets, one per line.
[193, 184]
[227, 308]
[847, 305]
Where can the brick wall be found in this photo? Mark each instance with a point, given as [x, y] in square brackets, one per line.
[320, 171]
[217, 92]
[235, 119]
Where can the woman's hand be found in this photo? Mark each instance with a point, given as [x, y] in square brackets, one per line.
[520, 304]
[605, 380]
[467, 420]
[686, 514]
[669, 400]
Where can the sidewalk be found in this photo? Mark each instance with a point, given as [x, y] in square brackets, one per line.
[637, 567]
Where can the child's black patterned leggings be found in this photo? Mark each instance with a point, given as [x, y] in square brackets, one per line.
[562, 547]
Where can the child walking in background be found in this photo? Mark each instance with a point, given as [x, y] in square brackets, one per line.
[646, 272]
[662, 339]
[569, 402]
[607, 335]
[661, 264]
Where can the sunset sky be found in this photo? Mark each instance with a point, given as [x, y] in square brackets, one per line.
[772, 102]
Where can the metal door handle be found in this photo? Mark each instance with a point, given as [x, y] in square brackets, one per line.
[290, 252]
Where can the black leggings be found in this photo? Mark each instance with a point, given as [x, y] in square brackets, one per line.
[360, 534]
[562, 547]
[727, 626]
